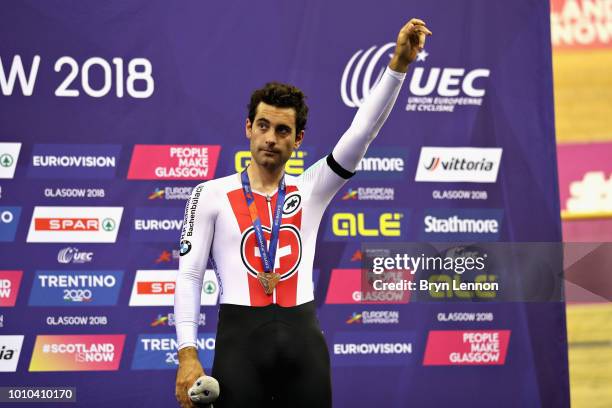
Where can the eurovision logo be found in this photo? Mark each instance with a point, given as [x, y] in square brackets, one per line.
[372, 348]
[74, 161]
[162, 224]
[75, 224]
[173, 162]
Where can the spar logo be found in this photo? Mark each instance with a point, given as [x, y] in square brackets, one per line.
[461, 224]
[459, 164]
[294, 166]
[466, 347]
[9, 154]
[169, 320]
[156, 288]
[75, 224]
[10, 349]
[432, 89]
[581, 24]
[76, 288]
[163, 224]
[345, 287]
[368, 224]
[74, 161]
[98, 352]
[352, 348]
[9, 287]
[288, 251]
[173, 162]
[9, 219]
[73, 255]
[160, 351]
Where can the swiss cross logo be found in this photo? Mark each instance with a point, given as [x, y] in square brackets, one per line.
[288, 252]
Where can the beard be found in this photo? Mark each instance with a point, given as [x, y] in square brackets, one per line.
[271, 160]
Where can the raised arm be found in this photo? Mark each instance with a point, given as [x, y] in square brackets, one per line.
[196, 239]
[370, 117]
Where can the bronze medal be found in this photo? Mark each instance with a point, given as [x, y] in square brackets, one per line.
[268, 280]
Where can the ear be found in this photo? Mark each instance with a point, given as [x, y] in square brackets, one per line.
[298, 140]
[248, 128]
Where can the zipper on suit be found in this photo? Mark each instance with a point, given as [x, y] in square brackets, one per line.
[268, 200]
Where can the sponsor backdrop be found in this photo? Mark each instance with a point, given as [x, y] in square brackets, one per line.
[111, 115]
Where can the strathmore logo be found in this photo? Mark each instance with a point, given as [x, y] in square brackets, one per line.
[432, 89]
[173, 162]
[459, 164]
[75, 224]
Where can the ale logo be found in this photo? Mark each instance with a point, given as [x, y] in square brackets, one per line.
[353, 225]
[108, 224]
[294, 166]
[6, 160]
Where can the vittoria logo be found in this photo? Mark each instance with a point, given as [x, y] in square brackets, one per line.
[459, 164]
[288, 252]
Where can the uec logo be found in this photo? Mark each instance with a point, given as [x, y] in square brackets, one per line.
[445, 82]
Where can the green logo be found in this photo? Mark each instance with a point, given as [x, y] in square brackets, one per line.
[108, 224]
[6, 160]
[210, 287]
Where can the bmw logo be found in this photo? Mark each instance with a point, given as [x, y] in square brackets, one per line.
[185, 247]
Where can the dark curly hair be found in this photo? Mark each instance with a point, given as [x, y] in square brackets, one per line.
[282, 96]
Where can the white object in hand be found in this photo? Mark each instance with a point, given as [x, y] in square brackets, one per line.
[204, 390]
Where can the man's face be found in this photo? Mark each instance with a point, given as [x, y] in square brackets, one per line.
[273, 135]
